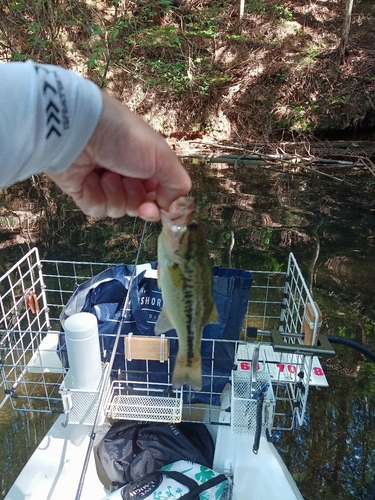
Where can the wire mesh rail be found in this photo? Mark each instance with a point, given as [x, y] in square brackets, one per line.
[33, 294]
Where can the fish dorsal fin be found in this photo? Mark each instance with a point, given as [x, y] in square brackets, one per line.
[163, 323]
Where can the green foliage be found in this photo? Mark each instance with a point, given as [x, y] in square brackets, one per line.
[283, 13]
[161, 36]
[182, 75]
[370, 327]
[165, 57]
[17, 5]
[256, 6]
[265, 237]
[366, 379]
[275, 266]
[341, 99]
[299, 118]
[168, 75]
[207, 28]
[7, 221]
[313, 51]
[283, 73]
[18, 56]
[149, 9]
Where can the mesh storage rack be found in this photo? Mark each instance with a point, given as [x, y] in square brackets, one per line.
[273, 361]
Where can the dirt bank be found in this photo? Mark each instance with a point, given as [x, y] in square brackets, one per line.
[192, 70]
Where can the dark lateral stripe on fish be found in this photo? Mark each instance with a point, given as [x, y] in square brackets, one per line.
[189, 296]
[190, 340]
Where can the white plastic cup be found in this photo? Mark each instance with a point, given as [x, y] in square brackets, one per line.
[82, 342]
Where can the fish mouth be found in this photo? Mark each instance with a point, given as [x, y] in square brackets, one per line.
[176, 216]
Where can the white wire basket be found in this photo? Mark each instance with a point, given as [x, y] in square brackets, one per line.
[81, 407]
[144, 401]
[250, 399]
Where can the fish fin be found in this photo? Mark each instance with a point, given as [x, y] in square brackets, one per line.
[158, 277]
[184, 374]
[214, 315]
[163, 323]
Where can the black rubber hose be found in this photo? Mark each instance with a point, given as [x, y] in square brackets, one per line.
[353, 345]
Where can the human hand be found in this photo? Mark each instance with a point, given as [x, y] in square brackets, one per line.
[125, 168]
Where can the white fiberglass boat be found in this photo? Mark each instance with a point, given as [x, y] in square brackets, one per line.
[274, 365]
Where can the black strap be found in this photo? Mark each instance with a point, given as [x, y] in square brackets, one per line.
[195, 489]
[181, 478]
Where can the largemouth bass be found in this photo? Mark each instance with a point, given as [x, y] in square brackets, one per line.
[186, 283]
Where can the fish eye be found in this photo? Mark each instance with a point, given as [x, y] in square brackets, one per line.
[193, 225]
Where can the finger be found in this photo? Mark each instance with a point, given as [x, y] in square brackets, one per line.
[165, 196]
[172, 183]
[93, 199]
[150, 185]
[115, 195]
[122, 134]
[135, 194]
[149, 211]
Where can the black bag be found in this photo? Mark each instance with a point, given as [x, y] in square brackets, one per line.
[130, 450]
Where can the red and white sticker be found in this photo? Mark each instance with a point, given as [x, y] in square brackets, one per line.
[282, 367]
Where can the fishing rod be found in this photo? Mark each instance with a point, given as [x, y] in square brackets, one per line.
[108, 371]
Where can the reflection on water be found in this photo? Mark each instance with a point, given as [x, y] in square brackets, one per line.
[20, 433]
[256, 217]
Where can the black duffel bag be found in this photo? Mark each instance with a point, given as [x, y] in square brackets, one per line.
[130, 450]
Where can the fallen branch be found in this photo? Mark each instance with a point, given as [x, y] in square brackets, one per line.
[327, 175]
[272, 161]
[370, 168]
[281, 157]
[319, 149]
[265, 159]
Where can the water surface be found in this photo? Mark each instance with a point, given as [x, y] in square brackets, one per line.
[255, 217]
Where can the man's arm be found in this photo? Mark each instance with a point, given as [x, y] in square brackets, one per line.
[99, 152]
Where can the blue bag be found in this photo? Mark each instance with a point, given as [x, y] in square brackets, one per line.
[104, 296]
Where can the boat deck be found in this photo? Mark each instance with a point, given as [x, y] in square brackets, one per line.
[271, 363]
[53, 472]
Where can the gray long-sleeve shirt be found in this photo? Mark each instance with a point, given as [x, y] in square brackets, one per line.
[47, 115]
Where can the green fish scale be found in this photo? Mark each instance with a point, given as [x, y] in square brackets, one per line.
[194, 306]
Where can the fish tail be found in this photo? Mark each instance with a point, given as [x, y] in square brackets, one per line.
[185, 373]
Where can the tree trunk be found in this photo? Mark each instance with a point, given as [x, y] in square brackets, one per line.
[345, 31]
[242, 9]
[240, 17]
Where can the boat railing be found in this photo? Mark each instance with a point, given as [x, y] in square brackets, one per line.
[34, 291]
